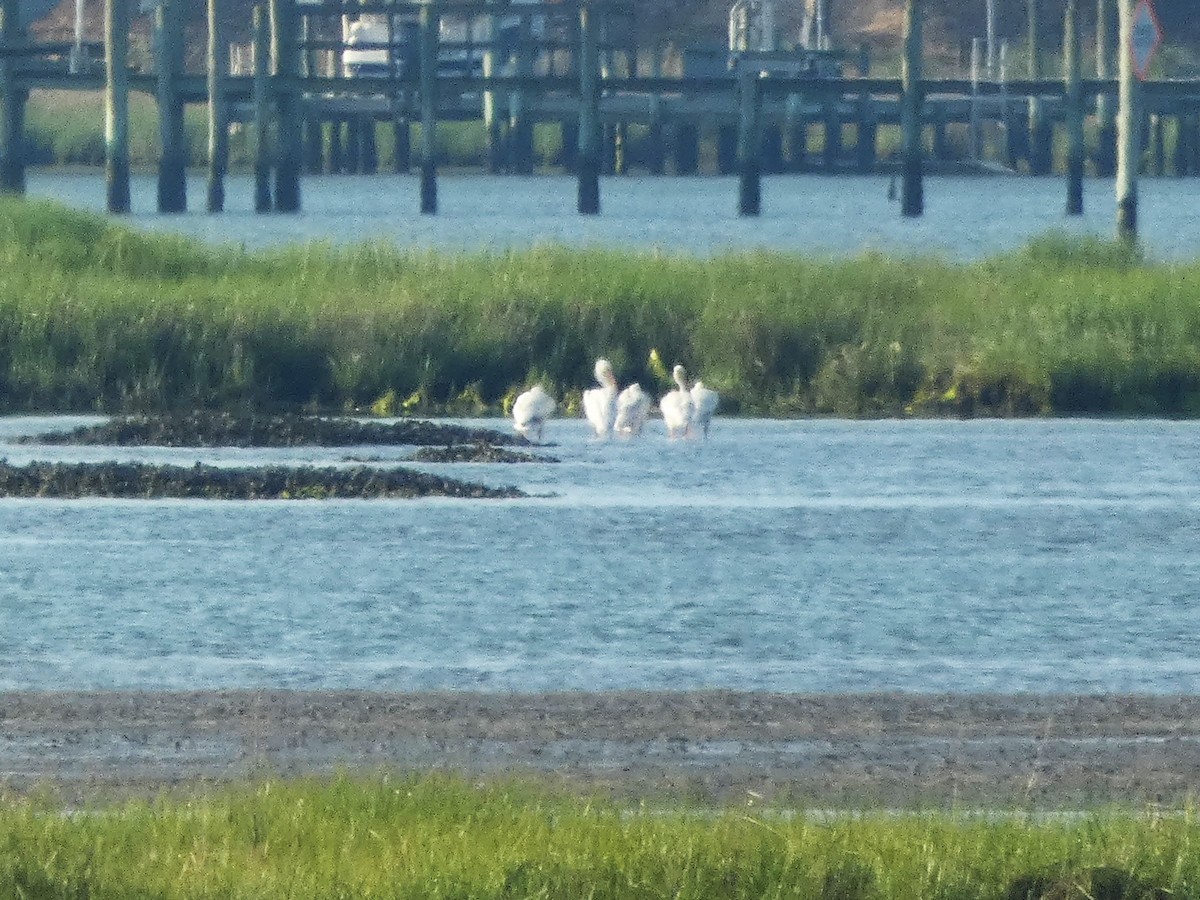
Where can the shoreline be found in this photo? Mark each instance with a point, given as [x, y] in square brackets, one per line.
[885, 749]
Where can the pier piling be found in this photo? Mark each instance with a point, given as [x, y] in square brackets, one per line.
[262, 114]
[429, 54]
[12, 113]
[116, 105]
[749, 143]
[218, 123]
[172, 164]
[588, 160]
[1073, 109]
[285, 56]
[912, 190]
[1128, 126]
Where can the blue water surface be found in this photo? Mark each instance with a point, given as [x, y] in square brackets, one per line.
[994, 556]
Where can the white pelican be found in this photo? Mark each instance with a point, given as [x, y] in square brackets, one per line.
[530, 411]
[600, 404]
[677, 405]
[704, 404]
[633, 405]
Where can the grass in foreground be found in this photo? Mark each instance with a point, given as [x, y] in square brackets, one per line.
[442, 837]
[94, 316]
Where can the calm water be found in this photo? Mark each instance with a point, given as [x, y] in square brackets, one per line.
[966, 218]
[816, 556]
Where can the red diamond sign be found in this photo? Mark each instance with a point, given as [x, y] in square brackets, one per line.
[1146, 37]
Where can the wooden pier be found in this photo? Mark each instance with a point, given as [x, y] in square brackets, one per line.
[574, 65]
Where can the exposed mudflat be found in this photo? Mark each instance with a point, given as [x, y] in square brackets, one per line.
[223, 429]
[878, 749]
[145, 481]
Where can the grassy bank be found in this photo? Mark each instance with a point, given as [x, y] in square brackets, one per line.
[94, 316]
[444, 838]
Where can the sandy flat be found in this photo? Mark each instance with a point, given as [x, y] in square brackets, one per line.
[894, 749]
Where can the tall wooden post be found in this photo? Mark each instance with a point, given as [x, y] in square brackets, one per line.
[218, 122]
[912, 191]
[491, 121]
[172, 165]
[1128, 139]
[520, 126]
[588, 163]
[262, 113]
[285, 56]
[749, 143]
[1106, 131]
[429, 54]
[1040, 126]
[116, 105]
[12, 115]
[1073, 97]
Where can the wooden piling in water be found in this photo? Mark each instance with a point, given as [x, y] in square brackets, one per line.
[172, 163]
[429, 54]
[12, 113]
[588, 160]
[1128, 139]
[1040, 128]
[262, 113]
[520, 123]
[116, 105]
[1073, 109]
[285, 56]
[491, 121]
[1105, 158]
[912, 190]
[218, 120]
[749, 143]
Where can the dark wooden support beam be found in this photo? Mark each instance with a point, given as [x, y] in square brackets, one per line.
[172, 164]
[218, 115]
[428, 55]
[912, 188]
[588, 160]
[116, 105]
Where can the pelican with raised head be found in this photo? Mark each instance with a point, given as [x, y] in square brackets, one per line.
[530, 411]
[676, 406]
[600, 403]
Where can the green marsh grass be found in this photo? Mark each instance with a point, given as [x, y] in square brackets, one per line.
[95, 316]
[444, 837]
